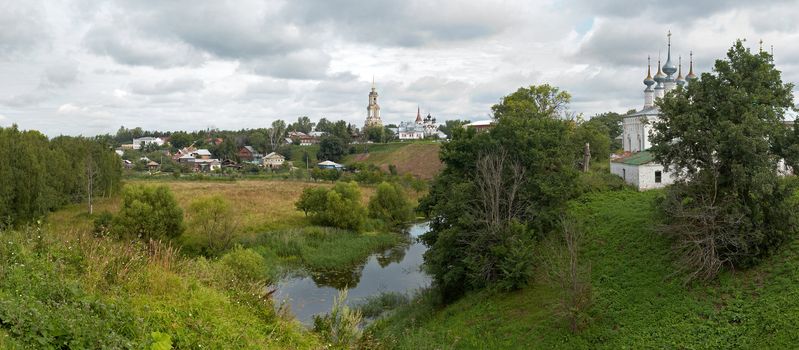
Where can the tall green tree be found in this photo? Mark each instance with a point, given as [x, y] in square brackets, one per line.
[724, 135]
[330, 148]
[499, 190]
[303, 124]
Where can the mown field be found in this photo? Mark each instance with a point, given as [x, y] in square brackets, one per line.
[638, 302]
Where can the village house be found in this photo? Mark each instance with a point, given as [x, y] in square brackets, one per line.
[200, 160]
[152, 166]
[480, 125]
[303, 138]
[273, 160]
[249, 154]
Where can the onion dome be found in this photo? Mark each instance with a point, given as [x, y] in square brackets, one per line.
[669, 68]
[691, 76]
[648, 81]
[659, 76]
[680, 79]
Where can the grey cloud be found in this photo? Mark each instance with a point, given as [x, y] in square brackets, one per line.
[60, 75]
[166, 87]
[305, 64]
[404, 23]
[675, 11]
[23, 27]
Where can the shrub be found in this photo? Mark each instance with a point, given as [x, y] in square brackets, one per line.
[212, 225]
[376, 305]
[148, 213]
[390, 205]
[246, 264]
[102, 224]
[340, 327]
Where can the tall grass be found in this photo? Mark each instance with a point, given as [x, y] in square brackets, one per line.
[323, 248]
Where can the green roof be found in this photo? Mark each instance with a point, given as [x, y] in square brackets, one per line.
[639, 158]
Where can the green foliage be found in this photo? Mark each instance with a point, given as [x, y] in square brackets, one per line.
[102, 224]
[375, 134]
[161, 341]
[391, 205]
[148, 212]
[321, 248]
[500, 189]
[597, 136]
[38, 175]
[638, 303]
[331, 148]
[339, 328]
[326, 174]
[724, 134]
[212, 226]
[303, 124]
[611, 122]
[451, 125]
[337, 207]
[246, 264]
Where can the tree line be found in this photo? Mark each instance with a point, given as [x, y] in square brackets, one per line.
[38, 175]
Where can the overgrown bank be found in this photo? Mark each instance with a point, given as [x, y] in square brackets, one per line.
[637, 298]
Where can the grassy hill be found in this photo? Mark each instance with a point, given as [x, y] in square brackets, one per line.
[638, 302]
[417, 158]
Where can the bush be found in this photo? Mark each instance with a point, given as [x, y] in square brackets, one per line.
[246, 264]
[102, 224]
[339, 328]
[376, 305]
[212, 225]
[390, 205]
[148, 213]
[338, 207]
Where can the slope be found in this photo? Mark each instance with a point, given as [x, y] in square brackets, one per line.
[417, 158]
[638, 302]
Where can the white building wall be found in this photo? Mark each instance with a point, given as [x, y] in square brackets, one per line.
[642, 177]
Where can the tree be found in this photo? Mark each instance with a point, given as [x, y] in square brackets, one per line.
[324, 125]
[276, 133]
[312, 200]
[375, 134]
[337, 207]
[724, 135]
[330, 148]
[596, 135]
[391, 205]
[148, 212]
[180, 139]
[611, 122]
[498, 190]
[303, 124]
[450, 125]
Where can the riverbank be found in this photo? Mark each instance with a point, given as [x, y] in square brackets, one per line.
[142, 292]
[638, 301]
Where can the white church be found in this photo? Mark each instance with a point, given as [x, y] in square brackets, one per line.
[637, 165]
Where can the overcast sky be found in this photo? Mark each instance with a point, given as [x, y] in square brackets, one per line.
[87, 67]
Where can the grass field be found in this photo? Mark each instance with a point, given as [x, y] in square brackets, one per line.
[258, 205]
[638, 302]
[417, 158]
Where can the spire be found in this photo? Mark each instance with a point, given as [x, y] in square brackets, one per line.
[669, 67]
[680, 79]
[373, 82]
[691, 76]
[761, 46]
[418, 114]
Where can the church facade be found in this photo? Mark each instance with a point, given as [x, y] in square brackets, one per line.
[637, 165]
[420, 128]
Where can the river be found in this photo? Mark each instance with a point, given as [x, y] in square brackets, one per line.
[395, 270]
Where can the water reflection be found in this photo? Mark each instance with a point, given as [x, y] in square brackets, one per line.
[397, 269]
